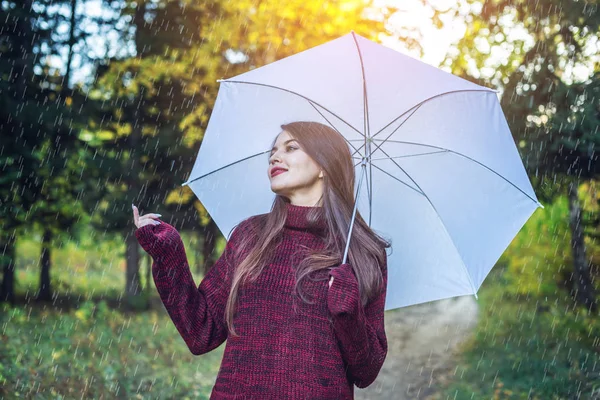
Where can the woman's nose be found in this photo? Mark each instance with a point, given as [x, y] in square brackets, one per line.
[274, 157]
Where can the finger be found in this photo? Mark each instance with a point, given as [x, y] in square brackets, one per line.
[147, 221]
[136, 214]
[151, 216]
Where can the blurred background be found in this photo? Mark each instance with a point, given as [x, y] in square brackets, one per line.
[104, 103]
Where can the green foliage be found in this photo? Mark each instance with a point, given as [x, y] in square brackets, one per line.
[89, 311]
[537, 258]
[89, 268]
[553, 113]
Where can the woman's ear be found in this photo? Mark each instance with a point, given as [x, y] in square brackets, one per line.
[321, 174]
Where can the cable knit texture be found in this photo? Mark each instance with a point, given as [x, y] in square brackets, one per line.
[287, 349]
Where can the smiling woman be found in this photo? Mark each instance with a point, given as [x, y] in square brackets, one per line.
[289, 333]
[293, 173]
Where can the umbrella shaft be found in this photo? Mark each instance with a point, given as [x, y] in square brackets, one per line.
[362, 175]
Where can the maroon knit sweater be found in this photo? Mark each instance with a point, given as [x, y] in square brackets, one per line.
[287, 349]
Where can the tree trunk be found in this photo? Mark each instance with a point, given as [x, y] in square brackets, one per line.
[45, 293]
[149, 278]
[7, 262]
[72, 41]
[208, 248]
[133, 290]
[583, 288]
[132, 275]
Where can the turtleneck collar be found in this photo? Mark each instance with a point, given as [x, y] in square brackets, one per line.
[297, 218]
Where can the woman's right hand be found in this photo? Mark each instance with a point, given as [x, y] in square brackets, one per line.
[144, 219]
[161, 241]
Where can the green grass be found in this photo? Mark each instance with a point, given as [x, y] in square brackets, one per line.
[96, 352]
[92, 350]
[521, 352]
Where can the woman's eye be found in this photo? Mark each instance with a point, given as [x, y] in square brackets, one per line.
[292, 147]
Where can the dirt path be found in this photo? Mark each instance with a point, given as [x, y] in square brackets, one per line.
[421, 341]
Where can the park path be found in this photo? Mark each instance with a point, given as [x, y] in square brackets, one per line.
[421, 342]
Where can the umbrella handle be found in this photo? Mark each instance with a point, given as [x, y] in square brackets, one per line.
[364, 170]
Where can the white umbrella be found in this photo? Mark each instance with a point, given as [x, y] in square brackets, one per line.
[444, 180]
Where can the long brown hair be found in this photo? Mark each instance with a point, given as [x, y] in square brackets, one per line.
[366, 253]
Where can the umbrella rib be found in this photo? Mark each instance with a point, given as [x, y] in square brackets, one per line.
[225, 166]
[366, 125]
[459, 154]
[409, 155]
[442, 223]
[428, 99]
[330, 124]
[298, 94]
[399, 180]
[365, 101]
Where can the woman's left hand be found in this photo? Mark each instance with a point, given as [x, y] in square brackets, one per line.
[344, 297]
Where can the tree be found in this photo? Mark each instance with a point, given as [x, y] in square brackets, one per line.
[29, 113]
[553, 117]
[146, 98]
[42, 115]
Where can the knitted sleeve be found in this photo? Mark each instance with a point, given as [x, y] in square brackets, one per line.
[197, 312]
[360, 330]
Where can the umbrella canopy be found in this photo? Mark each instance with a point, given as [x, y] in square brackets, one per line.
[443, 178]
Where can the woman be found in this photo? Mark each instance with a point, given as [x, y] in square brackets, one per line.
[298, 324]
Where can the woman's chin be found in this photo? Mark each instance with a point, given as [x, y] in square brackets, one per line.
[279, 189]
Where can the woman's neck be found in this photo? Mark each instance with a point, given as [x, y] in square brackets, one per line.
[297, 217]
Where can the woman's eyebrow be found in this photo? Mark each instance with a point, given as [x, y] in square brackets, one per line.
[286, 142]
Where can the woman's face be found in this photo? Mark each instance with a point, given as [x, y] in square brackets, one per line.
[301, 182]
